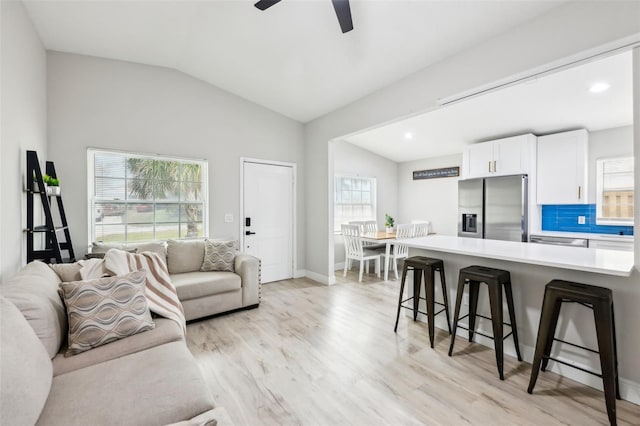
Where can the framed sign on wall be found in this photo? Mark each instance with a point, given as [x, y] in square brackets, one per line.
[436, 173]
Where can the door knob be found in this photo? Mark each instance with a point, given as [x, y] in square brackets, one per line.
[249, 233]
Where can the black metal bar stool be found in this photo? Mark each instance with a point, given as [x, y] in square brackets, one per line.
[426, 266]
[600, 300]
[495, 279]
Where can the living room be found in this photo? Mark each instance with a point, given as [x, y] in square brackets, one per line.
[79, 76]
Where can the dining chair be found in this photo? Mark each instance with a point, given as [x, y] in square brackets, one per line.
[354, 250]
[400, 251]
[421, 228]
[368, 227]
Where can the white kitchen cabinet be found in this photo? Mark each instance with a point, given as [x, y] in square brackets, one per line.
[480, 160]
[562, 168]
[502, 157]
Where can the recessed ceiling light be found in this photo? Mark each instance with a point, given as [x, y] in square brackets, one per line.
[599, 87]
[408, 136]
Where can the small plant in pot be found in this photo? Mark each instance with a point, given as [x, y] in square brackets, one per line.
[53, 184]
[389, 222]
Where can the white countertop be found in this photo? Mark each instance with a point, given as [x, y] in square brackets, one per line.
[602, 261]
[586, 236]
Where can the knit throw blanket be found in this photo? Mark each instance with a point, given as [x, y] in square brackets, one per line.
[160, 291]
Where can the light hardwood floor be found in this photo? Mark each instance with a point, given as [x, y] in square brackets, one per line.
[318, 355]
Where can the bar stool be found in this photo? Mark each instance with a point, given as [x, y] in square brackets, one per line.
[495, 279]
[600, 300]
[426, 266]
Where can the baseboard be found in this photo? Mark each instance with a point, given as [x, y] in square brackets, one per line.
[322, 279]
[629, 390]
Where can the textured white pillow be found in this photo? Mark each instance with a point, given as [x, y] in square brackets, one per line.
[219, 255]
[106, 309]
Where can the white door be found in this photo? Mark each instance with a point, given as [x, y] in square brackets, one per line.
[268, 218]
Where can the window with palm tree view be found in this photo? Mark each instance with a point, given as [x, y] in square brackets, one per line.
[138, 197]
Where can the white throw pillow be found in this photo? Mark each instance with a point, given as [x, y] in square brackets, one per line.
[219, 255]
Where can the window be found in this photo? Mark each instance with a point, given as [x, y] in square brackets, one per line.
[614, 184]
[354, 199]
[136, 197]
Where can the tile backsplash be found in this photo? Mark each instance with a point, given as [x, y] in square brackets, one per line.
[564, 218]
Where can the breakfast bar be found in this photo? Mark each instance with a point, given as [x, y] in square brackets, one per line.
[532, 266]
[609, 262]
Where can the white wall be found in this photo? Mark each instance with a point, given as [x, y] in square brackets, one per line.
[125, 106]
[563, 32]
[355, 161]
[24, 125]
[608, 143]
[435, 200]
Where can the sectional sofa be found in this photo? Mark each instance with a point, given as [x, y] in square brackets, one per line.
[149, 378]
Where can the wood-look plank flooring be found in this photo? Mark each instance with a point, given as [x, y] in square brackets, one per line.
[319, 355]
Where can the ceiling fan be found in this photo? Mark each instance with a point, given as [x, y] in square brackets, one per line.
[342, 8]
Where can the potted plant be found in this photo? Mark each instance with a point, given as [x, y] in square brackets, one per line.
[36, 188]
[388, 223]
[52, 184]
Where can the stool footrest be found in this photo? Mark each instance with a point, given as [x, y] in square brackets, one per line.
[421, 312]
[411, 298]
[422, 298]
[485, 335]
[411, 309]
[571, 365]
[482, 316]
[576, 346]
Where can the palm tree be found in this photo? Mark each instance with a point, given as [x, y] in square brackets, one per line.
[156, 179]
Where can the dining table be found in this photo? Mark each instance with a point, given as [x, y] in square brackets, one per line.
[381, 237]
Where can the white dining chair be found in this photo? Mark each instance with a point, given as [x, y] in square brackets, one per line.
[400, 251]
[421, 228]
[368, 227]
[354, 250]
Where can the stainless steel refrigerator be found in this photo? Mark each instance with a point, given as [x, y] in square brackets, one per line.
[494, 208]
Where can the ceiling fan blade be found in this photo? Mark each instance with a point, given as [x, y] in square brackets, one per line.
[343, 12]
[266, 4]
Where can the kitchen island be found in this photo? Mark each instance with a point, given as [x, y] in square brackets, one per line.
[532, 266]
[600, 261]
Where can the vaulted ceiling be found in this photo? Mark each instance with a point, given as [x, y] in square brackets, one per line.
[291, 58]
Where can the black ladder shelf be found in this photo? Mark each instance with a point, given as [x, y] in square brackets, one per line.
[54, 243]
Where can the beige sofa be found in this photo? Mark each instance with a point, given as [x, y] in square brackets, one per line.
[203, 293]
[149, 378]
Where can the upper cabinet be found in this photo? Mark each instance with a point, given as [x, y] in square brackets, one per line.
[562, 168]
[508, 156]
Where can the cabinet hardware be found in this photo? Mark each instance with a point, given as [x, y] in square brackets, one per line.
[494, 166]
[579, 191]
[489, 166]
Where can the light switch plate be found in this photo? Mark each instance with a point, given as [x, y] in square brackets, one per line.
[228, 218]
[581, 220]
